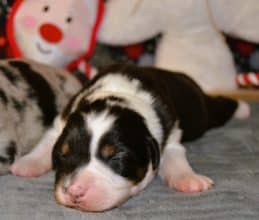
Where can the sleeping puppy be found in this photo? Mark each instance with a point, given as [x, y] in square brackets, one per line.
[31, 95]
[122, 129]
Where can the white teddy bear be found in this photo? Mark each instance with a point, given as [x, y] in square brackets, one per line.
[191, 34]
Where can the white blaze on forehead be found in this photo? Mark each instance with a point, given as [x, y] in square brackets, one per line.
[121, 84]
[136, 99]
[98, 124]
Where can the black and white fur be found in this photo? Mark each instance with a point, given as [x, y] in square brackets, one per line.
[31, 96]
[123, 128]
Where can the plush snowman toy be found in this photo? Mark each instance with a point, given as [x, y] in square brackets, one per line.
[61, 33]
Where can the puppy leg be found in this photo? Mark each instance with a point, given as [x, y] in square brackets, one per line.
[9, 149]
[8, 153]
[177, 172]
[38, 161]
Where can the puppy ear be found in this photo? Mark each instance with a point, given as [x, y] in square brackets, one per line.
[154, 152]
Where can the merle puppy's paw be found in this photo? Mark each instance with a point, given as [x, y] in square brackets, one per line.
[28, 166]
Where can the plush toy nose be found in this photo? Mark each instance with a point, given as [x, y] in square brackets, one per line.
[51, 33]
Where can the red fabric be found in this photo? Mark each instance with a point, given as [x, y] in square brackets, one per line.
[247, 80]
[244, 48]
[2, 41]
[244, 80]
[134, 51]
[88, 70]
[13, 50]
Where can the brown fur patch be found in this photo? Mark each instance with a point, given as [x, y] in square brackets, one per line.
[65, 149]
[108, 151]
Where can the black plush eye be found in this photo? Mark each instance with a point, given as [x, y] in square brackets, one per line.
[46, 8]
[69, 19]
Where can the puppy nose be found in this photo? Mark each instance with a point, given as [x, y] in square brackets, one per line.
[51, 33]
[76, 191]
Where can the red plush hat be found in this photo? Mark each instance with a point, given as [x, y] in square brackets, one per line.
[59, 33]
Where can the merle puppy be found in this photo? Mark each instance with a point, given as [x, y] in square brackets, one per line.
[123, 128]
[31, 95]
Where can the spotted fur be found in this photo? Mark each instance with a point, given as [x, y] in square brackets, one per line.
[31, 95]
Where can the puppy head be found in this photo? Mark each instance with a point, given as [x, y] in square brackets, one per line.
[102, 158]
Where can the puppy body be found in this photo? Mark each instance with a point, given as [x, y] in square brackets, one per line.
[31, 95]
[123, 128]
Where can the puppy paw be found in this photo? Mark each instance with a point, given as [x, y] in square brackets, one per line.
[191, 183]
[28, 167]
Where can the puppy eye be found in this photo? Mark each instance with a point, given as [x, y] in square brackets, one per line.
[108, 151]
[46, 8]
